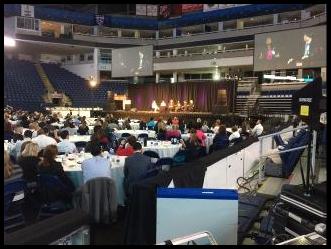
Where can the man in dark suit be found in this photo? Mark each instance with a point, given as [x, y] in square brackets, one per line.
[135, 167]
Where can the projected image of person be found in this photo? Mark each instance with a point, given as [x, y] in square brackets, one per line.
[307, 51]
[270, 52]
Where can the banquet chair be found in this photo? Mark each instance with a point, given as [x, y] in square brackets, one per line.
[125, 134]
[13, 210]
[81, 144]
[162, 163]
[51, 187]
[98, 198]
[143, 135]
[151, 153]
[180, 158]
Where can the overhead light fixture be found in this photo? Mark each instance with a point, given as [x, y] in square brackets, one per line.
[92, 82]
[9, 42]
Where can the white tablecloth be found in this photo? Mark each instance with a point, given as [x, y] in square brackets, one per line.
[164, 150]
[79, 138]
[135, 133]
[74, 171]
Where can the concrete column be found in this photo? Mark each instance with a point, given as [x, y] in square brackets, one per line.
[299, 76]
[323, 73]
[96, 30]
[96, 64]
[157, 77]
[282, 73]
[275, 19]
[62, 29]
[220, 26]
[174, 32]
[305, 14]
[119, 33]
[240, 24]
[174, 52]
[174, 76]
[157, 54]
[136, 34]
[181, 77]
[272, 73]
[157, 34]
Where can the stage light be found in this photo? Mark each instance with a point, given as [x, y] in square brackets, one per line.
[9, 42]
[92, 82]
[216, 76]
[172, 80]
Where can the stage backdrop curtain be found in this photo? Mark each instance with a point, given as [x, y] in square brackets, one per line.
[204, 94]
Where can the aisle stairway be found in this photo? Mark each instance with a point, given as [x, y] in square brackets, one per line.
[49, 87]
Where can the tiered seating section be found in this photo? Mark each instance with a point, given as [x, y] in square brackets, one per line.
[23, 87]
[78, 89]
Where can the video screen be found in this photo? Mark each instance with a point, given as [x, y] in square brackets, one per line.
[134, 61]
[299, 48]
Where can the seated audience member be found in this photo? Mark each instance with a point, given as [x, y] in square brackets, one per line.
[200, 134]
[182, 126]
[34, 127]
[29, 161]
[83, 129]
[135, 167]
[173, 133]
[161, 131]
[216, 126]
[126, 125]
[113, 124]
[175, 121]
[205, 127]
[8, 132]
[235, 133]
[65, 146]
[11, 172]
[26, 137]
[127, 148]
[192, 142]
[43, 140]
[142, 125]
[244, 129]
[151, 124]
[192, 145]
[71, 128]
[49, 166]
[54, 134]
[100, 136]
[97, 166]
[258, 129]
[221, 139]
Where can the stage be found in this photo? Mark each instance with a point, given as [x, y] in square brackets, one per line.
[146, 115]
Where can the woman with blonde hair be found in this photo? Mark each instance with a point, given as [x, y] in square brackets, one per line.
[29, 161]
[11, 172]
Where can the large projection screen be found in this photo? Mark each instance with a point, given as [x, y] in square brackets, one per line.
[134, 61]
[299, 48]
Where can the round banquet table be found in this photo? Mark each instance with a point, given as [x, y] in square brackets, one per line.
[164, 149]
[79, 138]
[74, 171]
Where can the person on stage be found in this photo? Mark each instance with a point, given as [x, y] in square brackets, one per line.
[163, 106]
[185, 106]
[178, 106]
[155, 106]
[171, 105]
[191, 106]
